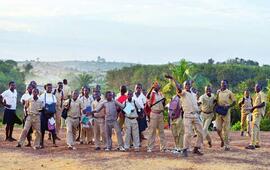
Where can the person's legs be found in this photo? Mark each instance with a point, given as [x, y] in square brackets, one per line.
[199, 130]
[69, 135]
[7, 131]
[226, 129]
[135, 134]
[219, 125]
[255, 136]
[97, 134]
[243, 122]
[27, 126]
[152, 131]
[108, 128]
[161, 132]
[207, 119]
[36, 129]
[128, 133]
[118, 134]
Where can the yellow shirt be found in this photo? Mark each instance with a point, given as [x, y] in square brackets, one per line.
[259, 99]
[225, 97]
[33, 106]
[67, 91]
[75, 108]
[207, 103]
[189, 102]
[59, 97]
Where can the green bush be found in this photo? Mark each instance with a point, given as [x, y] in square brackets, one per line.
[265, 124]
[236, 126]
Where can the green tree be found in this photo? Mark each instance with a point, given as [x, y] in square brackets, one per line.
[27, 67]
[84, 79]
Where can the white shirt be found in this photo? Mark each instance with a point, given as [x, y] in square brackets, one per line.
[141, 99]
[10, 98]
[26, 96]
[50, 98]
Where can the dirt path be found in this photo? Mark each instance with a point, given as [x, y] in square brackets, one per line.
[85, 157]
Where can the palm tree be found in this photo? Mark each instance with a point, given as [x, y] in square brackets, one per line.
[84, 79]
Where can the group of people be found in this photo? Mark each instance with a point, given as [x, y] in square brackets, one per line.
[90, 118]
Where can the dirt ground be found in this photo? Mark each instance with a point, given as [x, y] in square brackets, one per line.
[85, 157]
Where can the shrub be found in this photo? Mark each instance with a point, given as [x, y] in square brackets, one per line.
[236, 126]
[265, 124]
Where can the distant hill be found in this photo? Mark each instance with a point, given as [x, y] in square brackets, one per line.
[44, 72]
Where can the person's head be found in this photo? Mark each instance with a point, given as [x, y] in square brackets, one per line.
[60, 86]
[258, 87]
[130, 94]
[29, 89]
[109, 95]
[123, 89]
[12, 85]
[224, 84]
[35, 92]
[246, 93]
[75, 94]
[33, 84]
[138, 88]
[208, 90]
[65, 82]
[97, 95]
[187, 85]
[156, 86]
[49, 87]
[86, 91]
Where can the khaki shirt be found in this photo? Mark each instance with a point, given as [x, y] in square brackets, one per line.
[86, 102]
[101, 113]
[207, 103]
[74, 109]
[259, 99]
[67, 91]
[33, 106]
[159, 106]
[110, 109]
[225, 98]
[59, 98]
[247, 106]
[189, 102]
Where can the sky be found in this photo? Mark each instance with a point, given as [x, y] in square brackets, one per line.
[138, 31]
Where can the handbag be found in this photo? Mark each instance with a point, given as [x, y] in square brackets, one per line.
[50, 108]
[222, 110]
[65, 111]
[51, 124]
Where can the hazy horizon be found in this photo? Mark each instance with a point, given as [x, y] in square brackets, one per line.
[144, 32]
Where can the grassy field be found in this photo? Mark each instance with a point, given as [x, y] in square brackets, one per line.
[85, 157]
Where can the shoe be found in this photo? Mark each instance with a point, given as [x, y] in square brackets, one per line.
[108, 149]
[210, 144]
[57, 138]
[19, 145]
[242, 133]
[222, 144]
[164, 150]
[194, 136]
[97, 148]
[257, 146]
[136, 149]
[12, 139]
[41, 147]
[250, 147]
[81, 142]
[227, 148]
[149, 150]
[28, 145]
[70, 147]
[196, 151]
[184, 153]
[54, 145]
[121, 148]
[176, 151]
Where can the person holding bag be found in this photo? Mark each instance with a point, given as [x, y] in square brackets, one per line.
[225, 100]
[47, 116]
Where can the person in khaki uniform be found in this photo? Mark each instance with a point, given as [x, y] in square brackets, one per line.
[59, 94]
[246, 105]
[74, 107]
[177, 123]
[33, 106]
[111, 122]
[191, 118]
[225, 99]
[67, 94]
[131, 123]
[207, 103]
[258, 110]
[157, 102]
[87, 133]
[99, 121]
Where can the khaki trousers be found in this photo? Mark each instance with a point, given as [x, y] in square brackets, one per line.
[109, 125]
[177, 127]
[72, 126]
[99, 131]
[156, 125]
[255, 132]
[58, 119]
[223, 125]
[207, 120]
[192, 120]
[132, 130]
[34, 122]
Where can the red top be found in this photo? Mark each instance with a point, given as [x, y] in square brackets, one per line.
[122, 98]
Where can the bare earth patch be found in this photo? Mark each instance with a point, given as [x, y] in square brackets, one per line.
[85, 157]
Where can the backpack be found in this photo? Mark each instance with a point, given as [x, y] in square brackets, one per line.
[175, 111]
